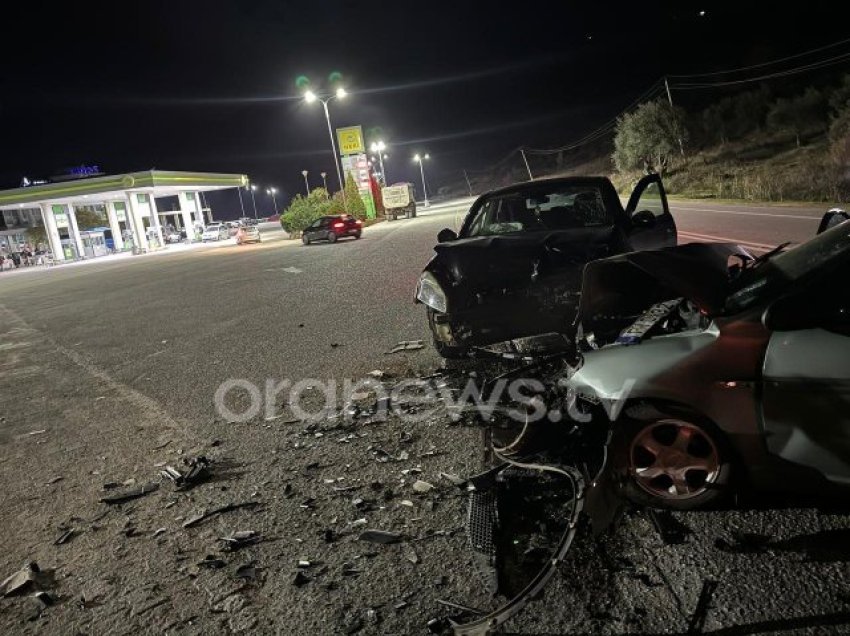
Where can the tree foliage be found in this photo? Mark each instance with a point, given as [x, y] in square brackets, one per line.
[353, 204]
[800, 114]
[736, 116]
[303, 210]
[648, 138]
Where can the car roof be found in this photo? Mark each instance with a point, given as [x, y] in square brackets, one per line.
[552, 181]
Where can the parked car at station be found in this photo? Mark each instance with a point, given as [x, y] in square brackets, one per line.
[215, 232]
[248, 234]
[332, 228]
[171, 234]
[515, 267]
[721, 377]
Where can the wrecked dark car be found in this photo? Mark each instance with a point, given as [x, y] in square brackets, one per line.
[717, 382]
[515, 267]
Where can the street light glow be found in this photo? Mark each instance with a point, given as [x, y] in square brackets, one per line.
[340, 93]
[417, 158]
[253, 186]
[310, 97]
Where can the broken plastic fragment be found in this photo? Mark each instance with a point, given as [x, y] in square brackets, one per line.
[422, 486]
[380, 536]
[135, 493]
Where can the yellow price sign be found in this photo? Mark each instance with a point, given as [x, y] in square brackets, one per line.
[350, 140]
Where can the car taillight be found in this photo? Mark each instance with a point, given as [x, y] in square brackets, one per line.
[359, 222]
[339, 224]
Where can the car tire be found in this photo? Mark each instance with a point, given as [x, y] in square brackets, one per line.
[332, 237]
[357, 236]
[450, 352]
[651, 458]
[305, 239]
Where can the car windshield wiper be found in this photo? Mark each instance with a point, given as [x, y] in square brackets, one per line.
[768, 255]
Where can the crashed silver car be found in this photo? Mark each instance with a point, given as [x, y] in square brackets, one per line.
[720, 371]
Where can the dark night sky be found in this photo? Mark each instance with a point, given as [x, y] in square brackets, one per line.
[210, 85]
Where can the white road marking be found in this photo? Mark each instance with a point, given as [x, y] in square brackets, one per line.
[705, 238]
[779, 216]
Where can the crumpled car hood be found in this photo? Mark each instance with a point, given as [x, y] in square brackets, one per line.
[629, 283]
[510, 258]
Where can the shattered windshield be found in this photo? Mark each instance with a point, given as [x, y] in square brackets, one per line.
[776, 274]
[555, 208]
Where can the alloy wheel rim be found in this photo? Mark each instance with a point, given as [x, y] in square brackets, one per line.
[674, 460]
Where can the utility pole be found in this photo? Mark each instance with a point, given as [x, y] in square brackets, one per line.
[670, 99]
[527, 167]
[468, 185]
[241, 205]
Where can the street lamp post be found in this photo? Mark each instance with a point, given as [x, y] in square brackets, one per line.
[379, 147]
[420, 159]
[271, 192]
[311, 97]
[254, 200]
[306, 183]
[325, 181]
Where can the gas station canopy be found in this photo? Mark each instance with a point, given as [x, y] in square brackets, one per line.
[129, 199]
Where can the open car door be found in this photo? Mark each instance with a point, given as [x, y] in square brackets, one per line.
[653, 226]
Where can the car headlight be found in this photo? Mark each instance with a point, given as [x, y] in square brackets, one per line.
[429, 293]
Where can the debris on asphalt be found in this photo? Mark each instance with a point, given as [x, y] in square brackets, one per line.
[463, 608]
[350, 570]
[697, 622]
[438, 625]
[28, 578]
[377, 374]
[198, 470]
[38, 432]
[407, 345]
[55, 480]
[66, 536]
[412, 557]
[300, 579]
[743, 543]
[248, 572]
[329, 535]
[241, 539]
[199, 518]
[454, 479]
[422, 486]
[211, 562]
[407, 502]
[380, 536]
[671, 530]
[129, 495]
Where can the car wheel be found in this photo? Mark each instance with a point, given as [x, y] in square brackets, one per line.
[331, 237]
[672, 463]
[451, 352]
[305, 239]
[357, 236]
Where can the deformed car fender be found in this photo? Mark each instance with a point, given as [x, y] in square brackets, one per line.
[654, 369]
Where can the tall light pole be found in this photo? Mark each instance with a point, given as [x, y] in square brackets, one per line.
[379, 147]
[241, 205]
[311, 97]
[306, 183]
[254, 200]
[271, 192]
[325, 181]
[419, 159]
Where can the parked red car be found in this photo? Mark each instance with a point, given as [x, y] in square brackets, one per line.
[331, 228]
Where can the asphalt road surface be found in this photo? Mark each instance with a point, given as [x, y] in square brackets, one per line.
[108, 371]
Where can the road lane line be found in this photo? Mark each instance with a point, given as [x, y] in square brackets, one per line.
[726, 239]
[701, 238]
[779, 216]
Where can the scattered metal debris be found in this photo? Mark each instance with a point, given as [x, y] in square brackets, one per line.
[407, 345]
[129, 495]
[211, 562]
[671, 530]
[241, 539]
[193, 521]
[697, 622]
[198, 470]
[454, 479]
[66, 536]
[27, 579]
[380, 536]
[463, 608]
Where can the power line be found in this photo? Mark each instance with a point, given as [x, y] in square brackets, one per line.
[838, 59]
[764, 64]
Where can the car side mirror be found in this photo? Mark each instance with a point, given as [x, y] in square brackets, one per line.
[445, 235]
[643, 220]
